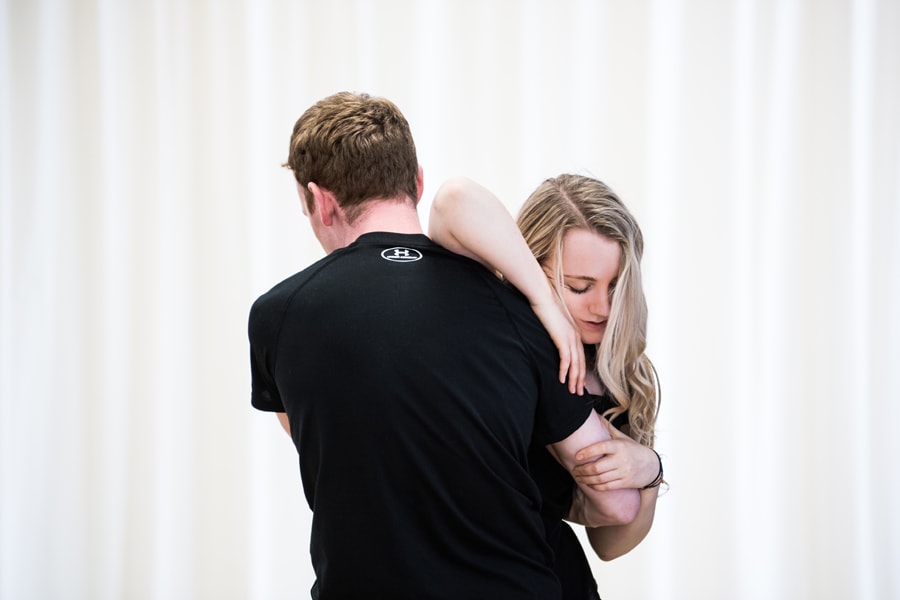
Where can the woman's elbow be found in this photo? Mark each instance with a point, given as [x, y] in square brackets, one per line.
[627, 507]
[627, 510]
[450, 193]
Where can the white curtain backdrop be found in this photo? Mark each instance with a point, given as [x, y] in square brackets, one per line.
[143, 208]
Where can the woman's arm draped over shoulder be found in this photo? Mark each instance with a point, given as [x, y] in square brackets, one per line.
[468, 219]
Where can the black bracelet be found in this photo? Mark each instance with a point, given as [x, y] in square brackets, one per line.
[659, 476]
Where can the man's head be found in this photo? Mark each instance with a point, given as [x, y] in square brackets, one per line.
[356, 146]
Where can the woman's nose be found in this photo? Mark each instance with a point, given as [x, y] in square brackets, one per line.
[599, 304]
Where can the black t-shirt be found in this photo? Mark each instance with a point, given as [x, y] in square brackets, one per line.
[570, 563]
[414, 382]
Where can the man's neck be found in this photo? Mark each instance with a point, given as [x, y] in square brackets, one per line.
[388, 216]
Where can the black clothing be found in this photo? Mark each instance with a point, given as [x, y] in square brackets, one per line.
[570, 563]
[414, 382]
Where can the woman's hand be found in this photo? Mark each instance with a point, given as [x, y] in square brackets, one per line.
[568, 342]
[618, 463]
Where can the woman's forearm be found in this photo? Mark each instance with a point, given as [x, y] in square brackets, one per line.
[468, 219]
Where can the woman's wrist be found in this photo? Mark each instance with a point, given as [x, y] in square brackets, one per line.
[659, 475]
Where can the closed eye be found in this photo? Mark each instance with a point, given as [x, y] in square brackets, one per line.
[579, 290]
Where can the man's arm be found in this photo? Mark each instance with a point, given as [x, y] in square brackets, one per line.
[283, 419]
[614, 541]
[621, 463]
[590, 507]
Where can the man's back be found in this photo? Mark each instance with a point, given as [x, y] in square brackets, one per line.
[413, 381]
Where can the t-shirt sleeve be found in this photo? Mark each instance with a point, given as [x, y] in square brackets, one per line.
[264, 324]
[559, 412]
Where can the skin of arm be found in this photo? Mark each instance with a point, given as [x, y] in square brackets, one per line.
[619, 463]
[283, 419]
[591, 507]
[468, 219]
[614, 541]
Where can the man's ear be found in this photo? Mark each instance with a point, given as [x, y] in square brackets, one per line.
[420, 184]
[324, 203]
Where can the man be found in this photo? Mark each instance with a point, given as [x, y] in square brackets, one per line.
[413, 382]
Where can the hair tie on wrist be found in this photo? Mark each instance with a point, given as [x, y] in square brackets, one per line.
[659, 476]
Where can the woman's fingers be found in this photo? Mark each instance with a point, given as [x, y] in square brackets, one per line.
[572, 366]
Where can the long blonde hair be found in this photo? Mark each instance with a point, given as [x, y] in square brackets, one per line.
[569, 202]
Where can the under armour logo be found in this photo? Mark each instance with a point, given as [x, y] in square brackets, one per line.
[401, 254]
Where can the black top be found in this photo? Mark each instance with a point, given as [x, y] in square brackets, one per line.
[414, 382]
[570, 563]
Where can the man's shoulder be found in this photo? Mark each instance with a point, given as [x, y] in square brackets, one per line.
[281, 290]
[280, 294]
[517, 305]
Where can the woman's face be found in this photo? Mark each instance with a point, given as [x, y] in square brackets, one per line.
[590, 266]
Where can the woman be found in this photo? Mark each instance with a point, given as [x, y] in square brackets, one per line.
[588, 248]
